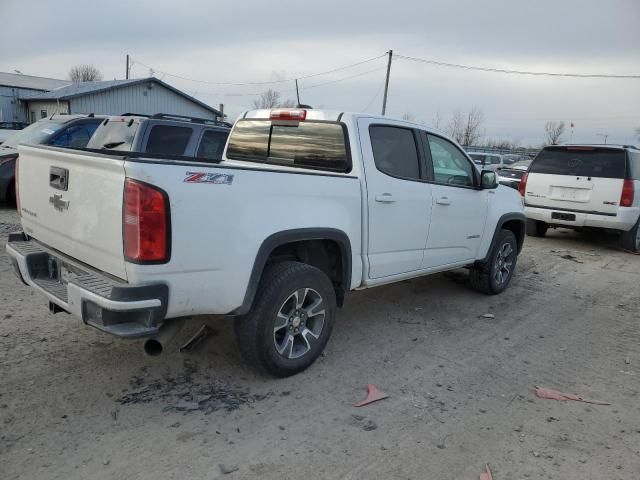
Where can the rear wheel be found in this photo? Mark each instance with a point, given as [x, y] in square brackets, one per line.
[631, 240]
[536, 228]
[291, 319]
[494, 276]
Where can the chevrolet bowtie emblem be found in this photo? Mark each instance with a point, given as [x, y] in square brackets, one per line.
[58, 203]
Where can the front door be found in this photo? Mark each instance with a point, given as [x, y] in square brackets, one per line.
[398, 198]
[459, 209]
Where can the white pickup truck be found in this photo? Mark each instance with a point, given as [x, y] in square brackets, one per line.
[304, 206]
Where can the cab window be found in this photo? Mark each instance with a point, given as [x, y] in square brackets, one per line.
[395, 152]
[75, 136]
[450, 166]
[212, 144]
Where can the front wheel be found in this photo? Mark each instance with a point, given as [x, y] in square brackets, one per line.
[291, 319]
[494, 276]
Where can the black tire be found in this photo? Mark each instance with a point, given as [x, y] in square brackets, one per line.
[256, 332]
[484, 278]
[631, 240]
[536, 228]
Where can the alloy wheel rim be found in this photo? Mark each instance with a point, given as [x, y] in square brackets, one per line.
[504, 263]
[299, 323]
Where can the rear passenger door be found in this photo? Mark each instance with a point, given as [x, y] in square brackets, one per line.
[398, 198]
[459, 209]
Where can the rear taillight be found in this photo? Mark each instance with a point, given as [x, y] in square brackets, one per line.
[16, 186]
[146, 223]
[522, 188]
[626, 199]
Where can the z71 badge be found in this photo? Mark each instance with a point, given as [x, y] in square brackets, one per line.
[203, 177]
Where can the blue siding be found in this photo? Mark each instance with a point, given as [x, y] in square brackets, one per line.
[11, 109]
[138, 99]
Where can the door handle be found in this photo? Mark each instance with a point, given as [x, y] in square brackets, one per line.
[443, 201]
[385, 198]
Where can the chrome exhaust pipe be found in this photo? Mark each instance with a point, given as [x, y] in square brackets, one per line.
[155, 345]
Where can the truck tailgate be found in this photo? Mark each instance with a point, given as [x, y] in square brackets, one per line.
[72, 201]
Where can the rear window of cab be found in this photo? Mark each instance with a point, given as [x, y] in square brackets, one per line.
[581, 162]
[306, 144]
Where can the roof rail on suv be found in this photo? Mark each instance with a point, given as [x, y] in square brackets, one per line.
[184, 118]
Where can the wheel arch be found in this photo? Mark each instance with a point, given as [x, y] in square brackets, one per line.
[516, 223]
[288, 241]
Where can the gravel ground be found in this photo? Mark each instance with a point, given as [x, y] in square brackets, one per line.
[77, 404]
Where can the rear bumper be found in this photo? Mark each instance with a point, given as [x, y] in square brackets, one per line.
[100, 301]
[624, 220]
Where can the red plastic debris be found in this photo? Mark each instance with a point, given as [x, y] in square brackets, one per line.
[549, 394]
[486, 475]
[373, 395]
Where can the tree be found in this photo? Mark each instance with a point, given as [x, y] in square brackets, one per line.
[455, 128]
[437, 121]
[554, 131]
[84, 73]
[409, 117]
[271, 99]
[471, 128]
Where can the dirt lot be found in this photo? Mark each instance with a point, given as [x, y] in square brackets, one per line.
[77, 404]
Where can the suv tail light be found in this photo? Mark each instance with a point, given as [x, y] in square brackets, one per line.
[522, 188]
[288, 114]
[146, 224]
[628, 191]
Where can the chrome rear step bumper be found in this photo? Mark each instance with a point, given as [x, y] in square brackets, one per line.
[100, 301]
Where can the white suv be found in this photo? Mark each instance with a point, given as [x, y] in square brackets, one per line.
[585, 186]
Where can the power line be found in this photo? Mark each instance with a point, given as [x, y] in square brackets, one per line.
[271, 82]
[517, 72]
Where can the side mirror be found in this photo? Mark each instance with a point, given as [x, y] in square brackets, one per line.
[488, 180]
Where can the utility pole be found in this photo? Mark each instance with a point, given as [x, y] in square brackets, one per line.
[297, 92]
[127, 70]
[386, 84]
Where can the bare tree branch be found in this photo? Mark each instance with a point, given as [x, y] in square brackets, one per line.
[471, 130]
[455, 128]
[84, 73]
[554, 131]
[271, 99]
[409, 117]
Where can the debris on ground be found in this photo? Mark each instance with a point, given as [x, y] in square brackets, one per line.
[488, 315]
[373, 395]
[486, 475]
[226, 468]
[202, 333]
[183, 394]
[571, 257]
[550, 394]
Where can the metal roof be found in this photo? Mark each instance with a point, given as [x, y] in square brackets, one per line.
[88, 88]
[30, 82]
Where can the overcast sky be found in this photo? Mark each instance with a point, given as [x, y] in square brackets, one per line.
[254, 41]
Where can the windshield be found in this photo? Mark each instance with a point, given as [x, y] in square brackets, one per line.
[580, 162]
[36, 133]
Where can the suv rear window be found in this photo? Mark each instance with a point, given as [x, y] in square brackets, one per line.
[308, 144]
[117, 134]
[580, 162]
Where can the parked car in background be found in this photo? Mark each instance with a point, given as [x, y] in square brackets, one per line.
[489, 161]
[510, 175]
[8, 128]
[162, 134]
[57, 130]
[585, 186]
[303, 207]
